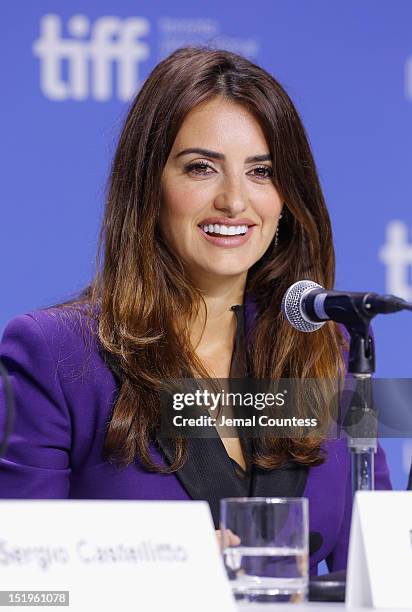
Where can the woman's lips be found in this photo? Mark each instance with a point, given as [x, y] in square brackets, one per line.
[227, 242]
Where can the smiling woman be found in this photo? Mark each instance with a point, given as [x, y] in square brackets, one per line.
[214, 209]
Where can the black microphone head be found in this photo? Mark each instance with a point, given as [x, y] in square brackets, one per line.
[292, 306]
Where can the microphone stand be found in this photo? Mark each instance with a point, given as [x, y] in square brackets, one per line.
[360, 421]
[355, 311]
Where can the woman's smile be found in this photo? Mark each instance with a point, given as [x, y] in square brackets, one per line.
[226, 237]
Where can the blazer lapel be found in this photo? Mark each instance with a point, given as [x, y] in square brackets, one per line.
[208, 473]
[287, 481]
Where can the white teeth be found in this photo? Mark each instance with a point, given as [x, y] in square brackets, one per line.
[225, 230]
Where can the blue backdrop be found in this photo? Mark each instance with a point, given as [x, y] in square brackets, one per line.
[69, 69]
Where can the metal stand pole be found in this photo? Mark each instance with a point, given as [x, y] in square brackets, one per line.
[360, 420]
[362, 441]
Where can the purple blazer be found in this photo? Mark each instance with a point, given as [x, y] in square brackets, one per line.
[64, 399]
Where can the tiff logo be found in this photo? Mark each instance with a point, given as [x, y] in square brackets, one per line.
[396, 254]
[90, 60]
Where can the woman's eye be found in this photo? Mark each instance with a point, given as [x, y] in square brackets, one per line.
[263, 172]
[198, 168]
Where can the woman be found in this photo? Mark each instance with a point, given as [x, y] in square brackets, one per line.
[214, 209]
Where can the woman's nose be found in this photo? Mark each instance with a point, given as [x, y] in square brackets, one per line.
[231, 198]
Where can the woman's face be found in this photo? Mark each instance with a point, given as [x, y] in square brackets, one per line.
[218, 182]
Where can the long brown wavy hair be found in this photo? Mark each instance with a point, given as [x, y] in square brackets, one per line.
[141, 288]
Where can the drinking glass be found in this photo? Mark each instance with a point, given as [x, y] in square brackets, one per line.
[265, 546]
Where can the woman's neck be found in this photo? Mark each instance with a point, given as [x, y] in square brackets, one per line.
[216, 327]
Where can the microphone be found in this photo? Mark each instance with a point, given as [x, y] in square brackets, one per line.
[307, 306]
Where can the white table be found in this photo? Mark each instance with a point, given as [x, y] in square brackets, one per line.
[308, 607]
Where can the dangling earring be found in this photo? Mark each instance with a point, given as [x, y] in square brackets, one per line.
[277, 232]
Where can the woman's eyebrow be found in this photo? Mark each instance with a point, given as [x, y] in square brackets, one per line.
[215, 155]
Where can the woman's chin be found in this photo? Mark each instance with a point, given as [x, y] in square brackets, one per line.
[221, 272]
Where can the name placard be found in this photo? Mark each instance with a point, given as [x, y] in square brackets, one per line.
[108, 555]
[380, 551]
